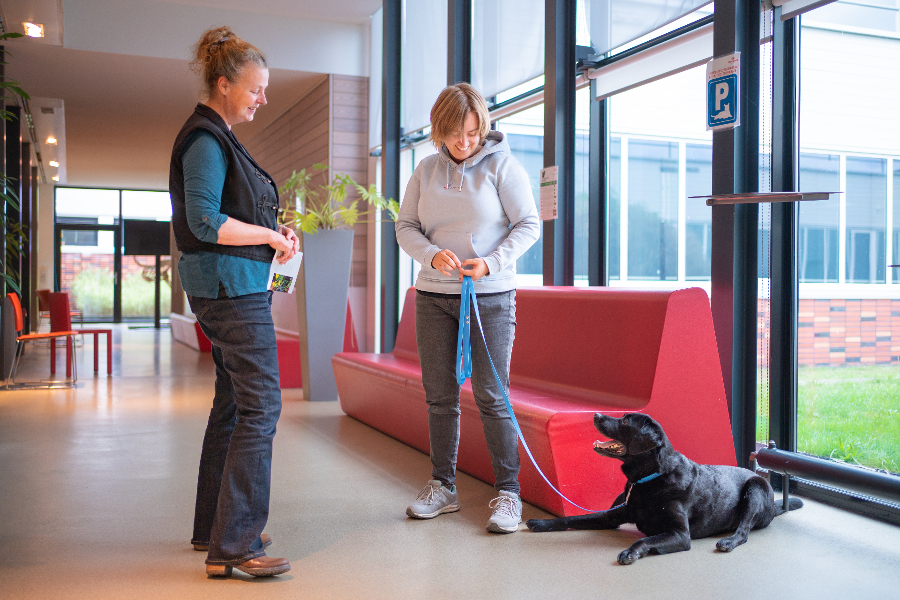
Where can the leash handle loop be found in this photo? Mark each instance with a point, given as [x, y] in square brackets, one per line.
[463, 339]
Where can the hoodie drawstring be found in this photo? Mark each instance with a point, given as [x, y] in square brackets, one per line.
[461, 177]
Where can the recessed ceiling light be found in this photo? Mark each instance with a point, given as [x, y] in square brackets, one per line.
[56, 178]
[35, 30]
[51, 140]
[53, 163]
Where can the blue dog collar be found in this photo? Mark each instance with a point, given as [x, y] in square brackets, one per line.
[648, 478]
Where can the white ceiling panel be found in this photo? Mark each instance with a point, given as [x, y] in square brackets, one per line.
[121, 76]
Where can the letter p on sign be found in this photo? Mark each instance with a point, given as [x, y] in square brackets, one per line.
[721, 94]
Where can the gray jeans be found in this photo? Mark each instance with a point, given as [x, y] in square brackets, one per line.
[437, 327]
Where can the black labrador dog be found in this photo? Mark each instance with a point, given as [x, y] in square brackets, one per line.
[670, 498]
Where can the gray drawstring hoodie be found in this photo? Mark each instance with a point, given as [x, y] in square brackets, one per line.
[482, 207]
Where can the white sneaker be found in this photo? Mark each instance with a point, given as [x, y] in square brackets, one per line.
[507, 513]
[434, 500]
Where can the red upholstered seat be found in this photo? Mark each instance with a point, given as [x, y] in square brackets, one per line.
[577, 351]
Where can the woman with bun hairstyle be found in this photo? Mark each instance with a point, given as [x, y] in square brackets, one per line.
[468, 210]
[223, 213]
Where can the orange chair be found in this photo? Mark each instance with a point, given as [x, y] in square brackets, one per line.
[21, 339]
[61, 320]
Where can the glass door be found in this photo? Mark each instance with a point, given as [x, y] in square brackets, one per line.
[112, 252]
[88, 261]
[88, 254]
[146, 263]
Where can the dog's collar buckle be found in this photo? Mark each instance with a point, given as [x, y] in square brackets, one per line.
[641, 480]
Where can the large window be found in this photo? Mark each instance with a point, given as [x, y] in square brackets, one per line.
[660, 155]
[652, 210]
[866, 197]
[525, 133]
[848, 331]
[819, 221]
[895, 207]
[88, 222]
[698, 217]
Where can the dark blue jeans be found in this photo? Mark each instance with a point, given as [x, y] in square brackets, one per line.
[236, 462]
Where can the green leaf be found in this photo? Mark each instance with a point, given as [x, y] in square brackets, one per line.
[13, 284]
[22, 93]
[324, 206]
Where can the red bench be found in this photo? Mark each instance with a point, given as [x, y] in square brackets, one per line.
[577, 351]
[186, 329]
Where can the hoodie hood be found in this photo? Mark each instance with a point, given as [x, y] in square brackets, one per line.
[493, 143]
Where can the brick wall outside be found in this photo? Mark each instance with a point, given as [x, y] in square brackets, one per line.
[837, 332]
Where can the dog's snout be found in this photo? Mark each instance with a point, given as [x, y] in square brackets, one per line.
[602, 423]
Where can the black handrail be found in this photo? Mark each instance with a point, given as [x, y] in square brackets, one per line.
[804, 466]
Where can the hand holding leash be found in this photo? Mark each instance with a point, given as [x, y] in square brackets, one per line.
[475, 268]
[445, 261]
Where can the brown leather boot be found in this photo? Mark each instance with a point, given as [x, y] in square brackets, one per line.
[261, 566]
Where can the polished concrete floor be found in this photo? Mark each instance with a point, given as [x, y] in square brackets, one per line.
[97, 490]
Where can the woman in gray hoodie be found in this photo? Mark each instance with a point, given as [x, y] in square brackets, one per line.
[468, 210]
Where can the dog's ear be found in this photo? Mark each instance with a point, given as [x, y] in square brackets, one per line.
[648, 437]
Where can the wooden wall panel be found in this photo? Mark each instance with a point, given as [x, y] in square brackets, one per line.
[328, 125]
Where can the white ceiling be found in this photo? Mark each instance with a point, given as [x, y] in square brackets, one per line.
[119, 69]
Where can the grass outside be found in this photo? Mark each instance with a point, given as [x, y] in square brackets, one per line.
[93, 291]
[847, 413]
[851, 413]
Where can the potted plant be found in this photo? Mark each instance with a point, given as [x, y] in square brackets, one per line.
[15, 233]
[321, 214]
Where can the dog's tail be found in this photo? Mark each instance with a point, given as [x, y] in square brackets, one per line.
[793, 504]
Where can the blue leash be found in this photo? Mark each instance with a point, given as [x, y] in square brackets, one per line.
[464, 370]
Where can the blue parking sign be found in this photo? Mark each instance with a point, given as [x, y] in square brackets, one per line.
[721, 94]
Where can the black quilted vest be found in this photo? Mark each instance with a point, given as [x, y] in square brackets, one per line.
[249, 194]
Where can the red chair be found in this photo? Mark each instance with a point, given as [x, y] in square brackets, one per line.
[43, 297]
[61, 320]
[21, 339]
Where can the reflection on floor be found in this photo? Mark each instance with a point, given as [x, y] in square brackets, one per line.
[97, 494]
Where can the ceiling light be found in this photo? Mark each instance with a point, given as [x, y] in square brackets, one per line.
[51, 140]
[56, 178]
[53, 163]
[35, 30]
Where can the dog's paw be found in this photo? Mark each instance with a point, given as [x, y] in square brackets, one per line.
[730, 543]
[539, 525]
[727, 545]
[724, 545]
[627, 557]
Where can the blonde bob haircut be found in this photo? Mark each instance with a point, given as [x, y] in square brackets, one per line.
[452, 107]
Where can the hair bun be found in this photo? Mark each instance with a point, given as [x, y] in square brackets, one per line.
[220, 53]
